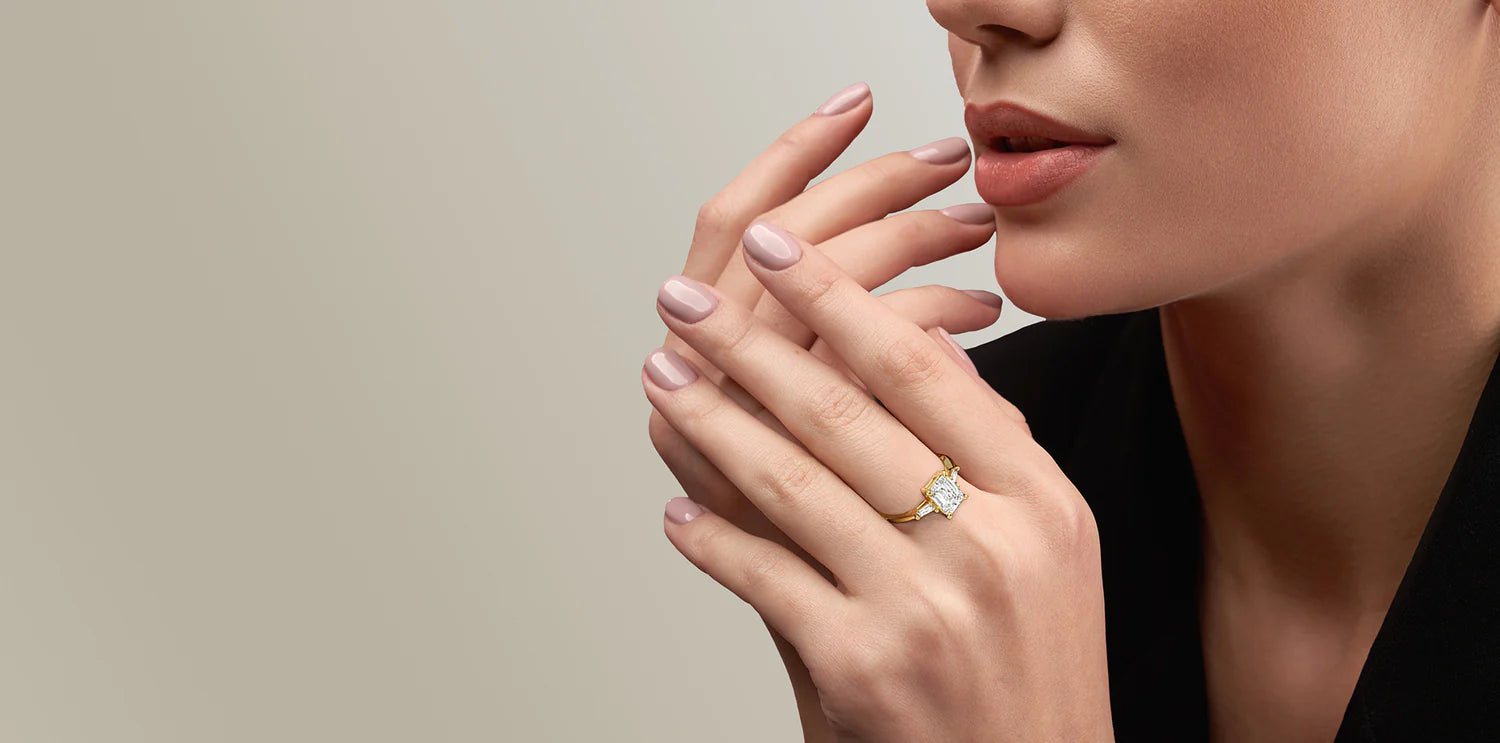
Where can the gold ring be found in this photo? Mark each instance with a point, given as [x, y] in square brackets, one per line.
[941, 494]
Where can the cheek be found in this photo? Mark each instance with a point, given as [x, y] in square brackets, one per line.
[1244, 137]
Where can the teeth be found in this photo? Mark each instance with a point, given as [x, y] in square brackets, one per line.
[1031, 144]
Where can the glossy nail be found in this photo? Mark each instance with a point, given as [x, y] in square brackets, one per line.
[989, 298]
[668, 370]
[771, 246]
[686, 299]
[682, 510]
[943, 151]
[976, 213]
[844, 100]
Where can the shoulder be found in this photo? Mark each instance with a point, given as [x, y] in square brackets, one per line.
[1050, 369]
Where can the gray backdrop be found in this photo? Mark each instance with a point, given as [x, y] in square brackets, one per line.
[320, 333]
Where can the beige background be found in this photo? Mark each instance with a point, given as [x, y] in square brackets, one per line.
[320, 333]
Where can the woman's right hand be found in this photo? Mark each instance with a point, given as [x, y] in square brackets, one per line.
[846, 216]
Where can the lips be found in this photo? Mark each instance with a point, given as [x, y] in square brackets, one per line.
[1026, 144]
[999, 120]
[1027, 156]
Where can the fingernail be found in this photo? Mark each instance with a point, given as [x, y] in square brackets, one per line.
[682, 510]
[988, 298]
[977, 213]
[963, 356]
[771, 246]
[686, 299]
[844, 100]
[668, 370]
[943, 151]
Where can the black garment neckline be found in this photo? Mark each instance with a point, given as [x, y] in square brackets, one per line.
[1433, 672]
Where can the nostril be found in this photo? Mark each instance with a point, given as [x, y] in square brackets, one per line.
[1009, 34]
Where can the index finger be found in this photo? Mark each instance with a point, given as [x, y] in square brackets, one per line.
[775, 176]
[929, 391]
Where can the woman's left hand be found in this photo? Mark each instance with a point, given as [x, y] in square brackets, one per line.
[988, 625]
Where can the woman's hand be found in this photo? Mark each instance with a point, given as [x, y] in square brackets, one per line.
[985, 626]
[848, 213]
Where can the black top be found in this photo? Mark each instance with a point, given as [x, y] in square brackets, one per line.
[1096, 394]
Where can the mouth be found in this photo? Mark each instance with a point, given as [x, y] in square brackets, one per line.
[1028, 156]
[1026, 144]
[1011, 127]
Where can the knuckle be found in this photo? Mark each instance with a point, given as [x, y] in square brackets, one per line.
[820, 290]
[912, 232]
[790, 479]
[715, 215]
[839, 408]
[1061, 533]
[877, 173]
[941, 613]
[911, 361]
[793, 141]
[733, 336]
[1005, 567]
[704, 544]
[693, 412]
[1071, 528]
[870, 667]
[762, 568]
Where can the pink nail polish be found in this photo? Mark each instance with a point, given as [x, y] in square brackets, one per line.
[844, 100]
[943, 152]
[976, 213]
[668, 370]
[686, 299]
[989, 298]
[771, 246]
[682, 510]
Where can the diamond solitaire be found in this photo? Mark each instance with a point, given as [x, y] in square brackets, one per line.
[943, 490]
[941, 494]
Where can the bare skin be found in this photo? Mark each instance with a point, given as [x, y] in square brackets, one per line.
[1313, 199]
[1321, 441]
[1310, 197]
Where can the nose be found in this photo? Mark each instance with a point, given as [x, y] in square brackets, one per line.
[989, 24]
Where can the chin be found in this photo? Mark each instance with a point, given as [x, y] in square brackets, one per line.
[1062, 286]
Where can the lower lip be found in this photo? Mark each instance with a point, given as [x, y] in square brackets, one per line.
[1020, 178]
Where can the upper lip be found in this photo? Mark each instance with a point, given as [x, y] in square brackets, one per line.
[990, 122]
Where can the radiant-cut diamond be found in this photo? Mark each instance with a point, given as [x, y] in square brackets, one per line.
[945, 493]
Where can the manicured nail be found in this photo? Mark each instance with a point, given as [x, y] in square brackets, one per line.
[682, 510]
[976, 213]
[771, 246]
[844, 100]
[668, 370]
[686, 299]
[943, 151]
[989, 298]
[963, 356]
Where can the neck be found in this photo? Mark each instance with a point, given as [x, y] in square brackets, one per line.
[1324, 403]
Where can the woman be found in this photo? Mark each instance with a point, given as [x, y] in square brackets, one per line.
[1240, 484]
